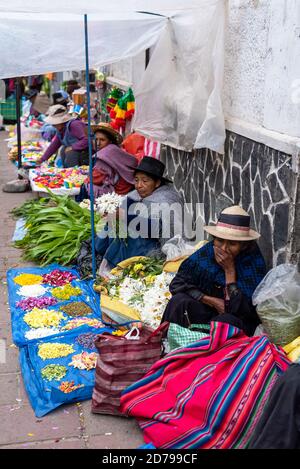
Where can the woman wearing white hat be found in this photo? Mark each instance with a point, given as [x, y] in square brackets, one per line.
[71, 137]
[216, 283]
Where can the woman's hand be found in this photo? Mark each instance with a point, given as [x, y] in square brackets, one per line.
[216, 303]
[226, 261]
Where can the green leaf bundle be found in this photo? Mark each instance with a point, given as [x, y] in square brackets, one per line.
[56, 228]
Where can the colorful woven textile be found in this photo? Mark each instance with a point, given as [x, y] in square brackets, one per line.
[209, 394]
[8, 109]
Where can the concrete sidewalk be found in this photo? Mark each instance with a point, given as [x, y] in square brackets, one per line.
[72, 426]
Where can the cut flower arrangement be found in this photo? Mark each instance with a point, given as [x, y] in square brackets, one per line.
[140, 284]
[105, 204]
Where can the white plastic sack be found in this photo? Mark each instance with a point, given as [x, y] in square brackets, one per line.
[184, 80]
[278, 303]
[177, 247]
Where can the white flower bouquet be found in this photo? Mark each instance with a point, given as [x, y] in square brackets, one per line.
[108, 203]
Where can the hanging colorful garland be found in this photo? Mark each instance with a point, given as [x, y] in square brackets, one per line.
[113, 98]
[123, 110]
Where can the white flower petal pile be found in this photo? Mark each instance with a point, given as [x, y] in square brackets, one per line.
[32, 290]
[41, 332]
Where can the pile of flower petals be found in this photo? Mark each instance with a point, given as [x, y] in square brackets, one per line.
[32, 302]
[84, 361]
[32, 290]
[43, 318]
[77, 322]
[41, 332]
[58, 278]
[28, 279]
[54, 350]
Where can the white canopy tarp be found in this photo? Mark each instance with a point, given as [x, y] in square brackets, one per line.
[184, 80]
[97, 6]
[178, 101]
[37, 43]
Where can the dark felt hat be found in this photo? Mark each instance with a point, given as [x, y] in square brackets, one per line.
[152, 167]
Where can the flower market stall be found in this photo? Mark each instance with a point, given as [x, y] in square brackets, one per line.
[55, 319]
[53, 313]
[45, 302]
[61, 181]
[139, 289]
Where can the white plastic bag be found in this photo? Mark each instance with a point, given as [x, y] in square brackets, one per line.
[177, 247]
[278, 303]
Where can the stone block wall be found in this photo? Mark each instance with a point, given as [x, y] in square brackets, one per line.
[260, 179]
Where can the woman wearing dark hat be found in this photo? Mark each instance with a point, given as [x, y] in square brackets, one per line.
[216, 283]
[142, 218]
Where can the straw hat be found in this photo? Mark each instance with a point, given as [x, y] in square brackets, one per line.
[233, 224]
[57, 114]
[107, 128]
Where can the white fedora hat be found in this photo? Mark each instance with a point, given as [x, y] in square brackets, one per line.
[233, 224]
[57, 114]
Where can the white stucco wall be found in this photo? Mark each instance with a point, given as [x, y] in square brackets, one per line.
[245, 53]
[129, 70]
[262, 67]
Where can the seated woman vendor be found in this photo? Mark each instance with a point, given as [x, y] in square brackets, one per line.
[71, 138]
[113, 170]
[216, 283]
[140, 217]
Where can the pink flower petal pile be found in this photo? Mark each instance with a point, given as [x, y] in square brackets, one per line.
[33, 302]
[58, 278]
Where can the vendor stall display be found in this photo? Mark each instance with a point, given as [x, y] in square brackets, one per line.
[139, 290]
[60, 181]
[58, 371]
[56, 227]
[45, 309]
[32, 151]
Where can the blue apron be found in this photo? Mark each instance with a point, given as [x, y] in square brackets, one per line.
[68, 139]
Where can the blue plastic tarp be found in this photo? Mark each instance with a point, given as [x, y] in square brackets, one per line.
[45, 395]
[19, 326]
[20, 230]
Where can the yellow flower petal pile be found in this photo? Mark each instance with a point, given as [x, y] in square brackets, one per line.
[54, 350]
[43, 318]
[65, 292]
[28, 279]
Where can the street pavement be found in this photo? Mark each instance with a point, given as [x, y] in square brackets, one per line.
[70, 426]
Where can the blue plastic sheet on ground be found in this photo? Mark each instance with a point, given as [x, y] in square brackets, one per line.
[19, 326]
[44, 395]
[20, 230]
